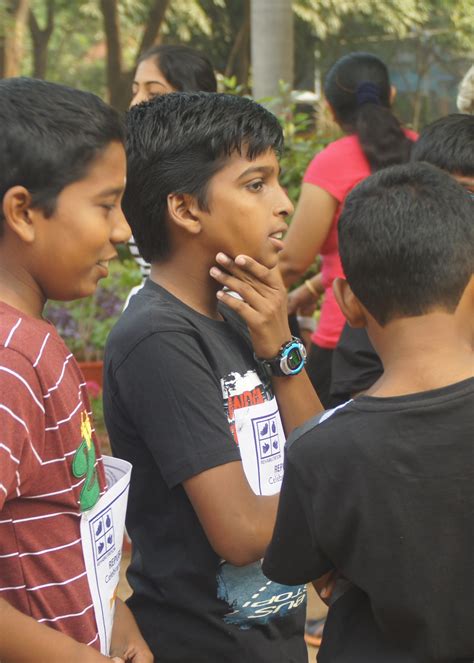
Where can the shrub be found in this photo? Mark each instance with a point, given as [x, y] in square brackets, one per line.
[84, 324]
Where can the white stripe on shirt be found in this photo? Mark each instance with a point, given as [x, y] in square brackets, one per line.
[48, 515]
[8, 450]
[68, 418]
[75, 614]
[13, 330]
[57, 492]
[63, 370]
[41, 350]
[56, 584]
[48, 550]
[22, 379]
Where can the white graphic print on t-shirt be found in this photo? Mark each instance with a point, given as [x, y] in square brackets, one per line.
[255, 422]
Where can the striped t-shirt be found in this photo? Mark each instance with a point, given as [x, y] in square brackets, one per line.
[141, 262]
[50, 472]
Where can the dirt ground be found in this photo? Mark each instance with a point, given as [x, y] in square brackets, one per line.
[316, 607]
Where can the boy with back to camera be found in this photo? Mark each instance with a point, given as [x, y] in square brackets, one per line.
[447, 143]
[62, 169]
[381, 488]
[186, 400]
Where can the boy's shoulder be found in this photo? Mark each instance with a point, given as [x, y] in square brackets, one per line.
[378, 430]
[27, 336]
[154, 310]
[322, 432]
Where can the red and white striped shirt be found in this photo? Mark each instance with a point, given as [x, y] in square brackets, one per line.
[50, 471]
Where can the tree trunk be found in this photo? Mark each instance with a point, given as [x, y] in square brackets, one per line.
[114, 51]
[40, 39]
[153, 25]
[238, 62]
[423, 63]
[271, 46]
[15, 14]
[119, 82]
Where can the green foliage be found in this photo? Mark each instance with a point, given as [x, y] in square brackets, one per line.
[97, 405]
[326, 17]
[84, 324]
[230, 85]
[414, 37]
[302, 140]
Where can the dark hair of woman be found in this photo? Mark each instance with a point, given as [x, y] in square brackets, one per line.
[184, 68]
[358, 89]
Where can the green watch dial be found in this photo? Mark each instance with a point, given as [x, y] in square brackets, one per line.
[294, 359]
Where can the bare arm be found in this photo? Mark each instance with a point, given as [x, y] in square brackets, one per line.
[127, 642]
[238, 524]
[23, 639]
[308, 230]
[304, 298]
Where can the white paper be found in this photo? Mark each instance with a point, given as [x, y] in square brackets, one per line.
[261, 442]
[102, 530]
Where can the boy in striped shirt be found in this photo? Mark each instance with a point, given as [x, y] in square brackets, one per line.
[62, 170]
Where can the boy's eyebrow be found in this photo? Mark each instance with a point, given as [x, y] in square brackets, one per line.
[151, 83]
[267, 170]
[114, 191]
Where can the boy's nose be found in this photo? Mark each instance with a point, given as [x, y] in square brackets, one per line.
[121, 231]
[138, 98]
[285, 205]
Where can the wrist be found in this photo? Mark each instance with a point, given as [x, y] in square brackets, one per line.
[290, 359]
[309, 285]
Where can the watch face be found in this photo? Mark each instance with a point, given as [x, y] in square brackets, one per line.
[294, 359]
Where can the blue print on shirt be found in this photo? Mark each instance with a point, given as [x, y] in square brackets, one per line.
[253, 598]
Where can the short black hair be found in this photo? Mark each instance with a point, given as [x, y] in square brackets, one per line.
[186, 69]
[49, 135]
[406, 241]
[448, 143]
[175, 144]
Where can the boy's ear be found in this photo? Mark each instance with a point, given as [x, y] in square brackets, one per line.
[18, 214]
[184, 212]
[348, 303]
[393, 94]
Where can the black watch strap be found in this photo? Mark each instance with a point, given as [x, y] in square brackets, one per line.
[290, 359]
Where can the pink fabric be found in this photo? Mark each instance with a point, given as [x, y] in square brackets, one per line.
[336, 169]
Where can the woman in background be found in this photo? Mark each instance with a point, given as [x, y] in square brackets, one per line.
[358, 92]
[171, 68]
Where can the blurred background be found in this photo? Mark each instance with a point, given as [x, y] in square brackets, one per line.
[254, 44]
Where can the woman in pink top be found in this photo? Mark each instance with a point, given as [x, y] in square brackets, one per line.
[358, 92]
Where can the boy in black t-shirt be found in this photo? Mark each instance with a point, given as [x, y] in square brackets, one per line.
[382, 488]
[447, 143]
[186, 401]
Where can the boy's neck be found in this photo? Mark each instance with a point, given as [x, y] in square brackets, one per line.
[422, 353]
[21, 292]
[189, 281]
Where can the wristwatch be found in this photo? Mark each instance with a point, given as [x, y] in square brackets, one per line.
[290, 359]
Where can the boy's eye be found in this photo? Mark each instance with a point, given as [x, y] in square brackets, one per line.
[108, 207]
[257, 185]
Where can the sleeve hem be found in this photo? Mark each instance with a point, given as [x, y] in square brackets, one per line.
[201, 464]
[329, 187]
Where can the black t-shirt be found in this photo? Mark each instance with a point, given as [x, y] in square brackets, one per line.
[355, 364]
[182, 395]
[383, 490]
